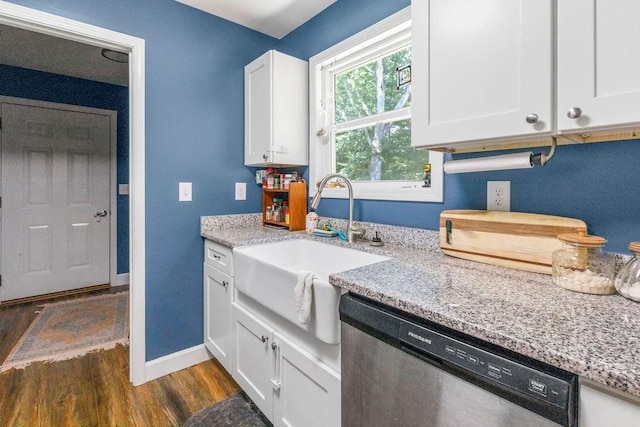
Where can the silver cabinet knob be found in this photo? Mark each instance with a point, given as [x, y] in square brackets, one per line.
[265, 157]
[264, 339]
[274, 346]
[532, 118]
[574, 113]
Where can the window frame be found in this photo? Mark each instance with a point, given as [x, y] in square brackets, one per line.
[391, 32]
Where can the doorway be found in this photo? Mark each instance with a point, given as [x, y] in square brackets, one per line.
[33, 20]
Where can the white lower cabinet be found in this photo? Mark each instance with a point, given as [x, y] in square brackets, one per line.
[309, 392]
[290, 386]
[602, 406]
[252, 360]
[217, 314]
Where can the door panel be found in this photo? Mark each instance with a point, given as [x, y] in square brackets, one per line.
[55, 177]
[598, 63]
[309, 395]
[482, 67]
[253, 362]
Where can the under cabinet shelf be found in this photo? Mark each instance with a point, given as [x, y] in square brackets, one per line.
[296, 195]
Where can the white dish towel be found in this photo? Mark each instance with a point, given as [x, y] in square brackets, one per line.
[304, 295]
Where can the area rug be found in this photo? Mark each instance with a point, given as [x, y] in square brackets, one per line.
[237, 411]
[69, 329]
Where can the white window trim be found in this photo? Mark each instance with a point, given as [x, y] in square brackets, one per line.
[320, 151]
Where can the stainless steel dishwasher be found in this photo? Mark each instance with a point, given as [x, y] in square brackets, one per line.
[399, 370]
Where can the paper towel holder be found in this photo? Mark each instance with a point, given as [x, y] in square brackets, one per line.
[542, 159]
[523, 160]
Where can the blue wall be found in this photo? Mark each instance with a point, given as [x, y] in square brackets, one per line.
[22, 83]
[194, 133]
[597, 183]
[194, 125]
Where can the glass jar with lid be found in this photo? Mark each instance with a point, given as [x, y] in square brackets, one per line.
[582, 266]
[627, 281]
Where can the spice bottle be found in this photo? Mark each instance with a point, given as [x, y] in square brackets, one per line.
[286, 212]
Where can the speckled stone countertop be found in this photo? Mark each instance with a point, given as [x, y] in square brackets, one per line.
[594, 336]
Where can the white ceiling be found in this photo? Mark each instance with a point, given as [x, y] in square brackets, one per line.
[36, 51]
[276, 18]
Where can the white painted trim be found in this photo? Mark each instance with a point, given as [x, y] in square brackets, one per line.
[41, 22]
[121, 280]
[320, 151]
[113, 163]
[175, 361]
[113, 201]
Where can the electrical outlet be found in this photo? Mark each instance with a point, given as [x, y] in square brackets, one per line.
[499, 196]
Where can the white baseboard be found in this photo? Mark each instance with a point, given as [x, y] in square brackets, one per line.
[175, 361]
[122, 279]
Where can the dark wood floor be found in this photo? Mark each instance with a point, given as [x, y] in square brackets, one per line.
[94, 390]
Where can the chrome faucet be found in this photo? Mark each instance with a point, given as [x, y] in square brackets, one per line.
[352, 229]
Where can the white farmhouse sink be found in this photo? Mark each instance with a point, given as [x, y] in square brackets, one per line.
[268, 274]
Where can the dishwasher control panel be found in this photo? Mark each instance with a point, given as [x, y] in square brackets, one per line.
[514, 375]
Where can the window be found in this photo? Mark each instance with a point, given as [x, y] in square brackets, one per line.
[361, 117]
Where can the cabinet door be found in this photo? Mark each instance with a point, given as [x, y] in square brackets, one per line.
[601, 406]
[482, 69]
[258, 110]
[309, 391]
[598, 63]
[252, 358]
[217, 314]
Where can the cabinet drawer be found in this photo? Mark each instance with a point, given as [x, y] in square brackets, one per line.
[218, 256]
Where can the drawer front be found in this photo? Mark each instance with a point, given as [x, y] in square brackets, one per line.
[218, 256]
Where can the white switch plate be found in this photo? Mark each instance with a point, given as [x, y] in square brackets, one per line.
[123, 189]
[499, 196]
[184, 191]
[241, 191]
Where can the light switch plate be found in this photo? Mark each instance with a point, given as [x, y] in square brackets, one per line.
[184, 192]
[241, 191]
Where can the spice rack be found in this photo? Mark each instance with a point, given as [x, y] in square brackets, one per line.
[296, 195]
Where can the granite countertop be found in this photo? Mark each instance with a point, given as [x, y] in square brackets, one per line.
[594, 336]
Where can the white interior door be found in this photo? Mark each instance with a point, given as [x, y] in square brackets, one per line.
[55, 187]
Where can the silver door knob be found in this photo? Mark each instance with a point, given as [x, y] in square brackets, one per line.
[574, 113]
[99, 215]
[532, 118]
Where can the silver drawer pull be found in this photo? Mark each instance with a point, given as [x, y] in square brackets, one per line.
[532, 118]
[217, 256]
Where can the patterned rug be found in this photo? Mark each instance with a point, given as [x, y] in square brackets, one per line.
[69, 329]
[235, 411]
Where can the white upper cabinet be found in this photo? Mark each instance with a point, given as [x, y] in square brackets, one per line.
[481, 70]
[276, 111]
[598, 64]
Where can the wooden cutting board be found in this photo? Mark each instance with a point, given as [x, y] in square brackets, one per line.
[509, 239]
